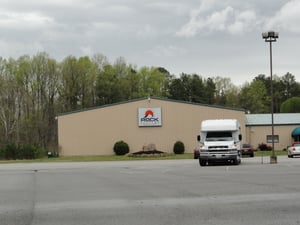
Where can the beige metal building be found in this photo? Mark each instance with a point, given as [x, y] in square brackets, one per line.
[140, 122]
[162, 122]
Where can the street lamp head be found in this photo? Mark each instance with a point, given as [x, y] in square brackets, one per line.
[273, 34]
[265, 35]
[270, 35]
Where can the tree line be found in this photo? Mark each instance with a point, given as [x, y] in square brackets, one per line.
[35, 89]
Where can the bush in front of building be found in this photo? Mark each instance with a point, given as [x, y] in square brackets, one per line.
[178, 147]
[121, 148]
[264, 147]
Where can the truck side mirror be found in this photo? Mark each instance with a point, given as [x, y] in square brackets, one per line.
[240, 137]
[198, 138]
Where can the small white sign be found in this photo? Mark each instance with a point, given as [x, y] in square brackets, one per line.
[149, 117]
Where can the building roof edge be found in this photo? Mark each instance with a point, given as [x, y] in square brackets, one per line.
[145, 98]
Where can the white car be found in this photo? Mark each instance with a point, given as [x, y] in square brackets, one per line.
[294, 150]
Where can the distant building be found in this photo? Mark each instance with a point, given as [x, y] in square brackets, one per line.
[286, 129]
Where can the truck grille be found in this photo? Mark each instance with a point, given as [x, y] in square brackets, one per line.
[218, 147]
[218, 151]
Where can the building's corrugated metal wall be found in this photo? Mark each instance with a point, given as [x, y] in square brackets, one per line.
[94, 132]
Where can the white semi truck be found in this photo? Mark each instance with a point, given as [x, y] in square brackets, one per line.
[220, 141]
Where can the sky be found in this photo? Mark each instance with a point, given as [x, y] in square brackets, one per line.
[207, 37]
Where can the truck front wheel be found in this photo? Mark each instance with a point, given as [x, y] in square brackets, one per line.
[237, 161]
[202, 162]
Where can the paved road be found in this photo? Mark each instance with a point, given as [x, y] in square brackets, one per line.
[156, 192]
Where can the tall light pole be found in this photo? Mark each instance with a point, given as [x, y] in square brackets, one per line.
[270, 37]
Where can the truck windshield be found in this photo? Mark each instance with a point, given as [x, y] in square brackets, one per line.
[219, 136]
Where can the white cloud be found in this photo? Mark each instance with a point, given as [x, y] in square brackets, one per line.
[104, 26]
[87, 50]
[147, 31]
[168, 7]
[244, 21]
[19, 48]
[196, 22]
[287, 18]
[166, 51]
[227, 19]
[119, 9]
[205, 6]
[217, 21]
[211, 17]
[30, 20]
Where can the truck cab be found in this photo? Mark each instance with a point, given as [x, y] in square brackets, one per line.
[220, 141]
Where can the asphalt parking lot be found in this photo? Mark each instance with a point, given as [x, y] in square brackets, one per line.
[151, 193]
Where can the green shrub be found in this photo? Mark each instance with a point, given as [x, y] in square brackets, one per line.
[2, 153]
[26, 151]
[121, 148]
[12, 151]
[30, 151]
[178, 147]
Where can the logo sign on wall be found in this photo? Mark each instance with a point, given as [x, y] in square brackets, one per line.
[149, 117]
